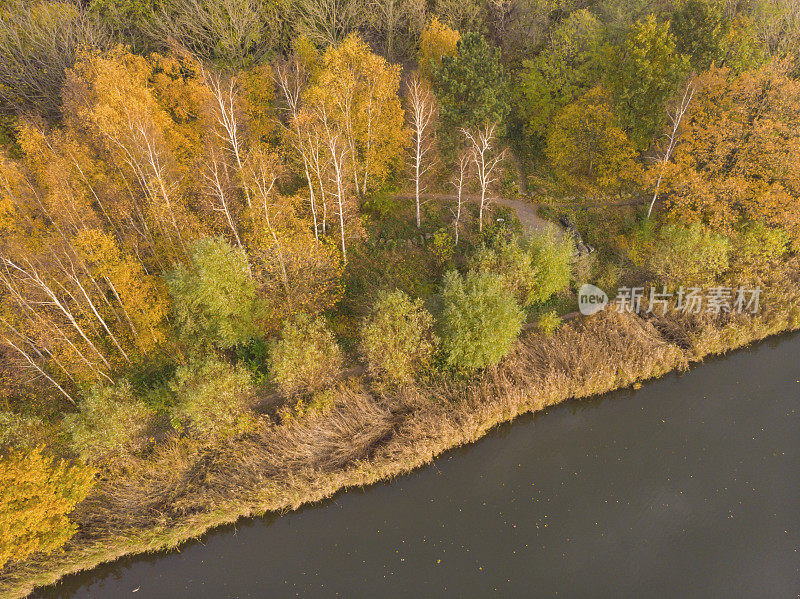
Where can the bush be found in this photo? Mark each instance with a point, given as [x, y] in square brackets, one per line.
[111, 423]
[480, 320]
[551, 255]
[532, 268]
[18, 430]
[214, 298]
[757, 245]
[37, 495]
[510, 263]
[684, 255]
[443, 246]
[317, 404]
[213, 399]
[396, 339]
[549, 322]
[306, 358]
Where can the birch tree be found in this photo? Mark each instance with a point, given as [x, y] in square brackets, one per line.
[422, 110]
[486, 159]
[292, 78]
[359, 92]
[220, 191]
[464, 159]
[229, 125]
[675, 118]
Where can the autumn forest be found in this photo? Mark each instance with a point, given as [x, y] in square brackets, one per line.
[252, 251]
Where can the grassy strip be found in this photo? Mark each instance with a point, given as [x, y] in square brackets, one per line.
[368, 436]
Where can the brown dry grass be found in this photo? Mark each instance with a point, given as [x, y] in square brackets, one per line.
[185, 488]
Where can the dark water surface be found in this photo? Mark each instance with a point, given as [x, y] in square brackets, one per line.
[689, 487]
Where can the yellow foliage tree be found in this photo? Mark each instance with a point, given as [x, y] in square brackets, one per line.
[37, 494]
[436, 40]
[141, 299]
[111, 94]
[356, 92]
[587, 146]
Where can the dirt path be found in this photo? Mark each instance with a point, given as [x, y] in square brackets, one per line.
[526, 212]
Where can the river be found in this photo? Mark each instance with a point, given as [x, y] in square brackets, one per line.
[688, 487]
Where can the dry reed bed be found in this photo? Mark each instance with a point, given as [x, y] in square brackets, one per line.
[185, 489]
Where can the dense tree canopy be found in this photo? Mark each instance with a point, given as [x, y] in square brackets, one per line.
[207, 223]
[646, 71]
[586, 143]
[560, 73]
[707, 33]
[471, 85]
[37, 495]
[737, 158]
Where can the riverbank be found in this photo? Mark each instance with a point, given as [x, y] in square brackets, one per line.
[368, 435]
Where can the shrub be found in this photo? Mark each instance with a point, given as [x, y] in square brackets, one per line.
[317, 404]
[111, 423]
[370, 270]
[214, 298]
[213, 399]
[306, 358]
[532, 268]
[37, 494]
[480, 320]
[17, 430]
[510, 263]
[549, 322]
[551, 257]
[396, 338]
[443, 246]
[757, 245]
[684, 255]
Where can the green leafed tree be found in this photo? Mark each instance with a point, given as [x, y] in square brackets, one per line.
[708, 34]
[110, 424]
[480, 320]
[214, 297]
[532, 268]
[397, 338]
[213, 399]
[560, 73]
[471, 86]
[306, 358]
[644, 72]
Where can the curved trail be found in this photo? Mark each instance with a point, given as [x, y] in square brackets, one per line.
[526, 212]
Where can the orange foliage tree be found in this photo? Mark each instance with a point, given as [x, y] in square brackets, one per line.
[153, 154]
[737, 155]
